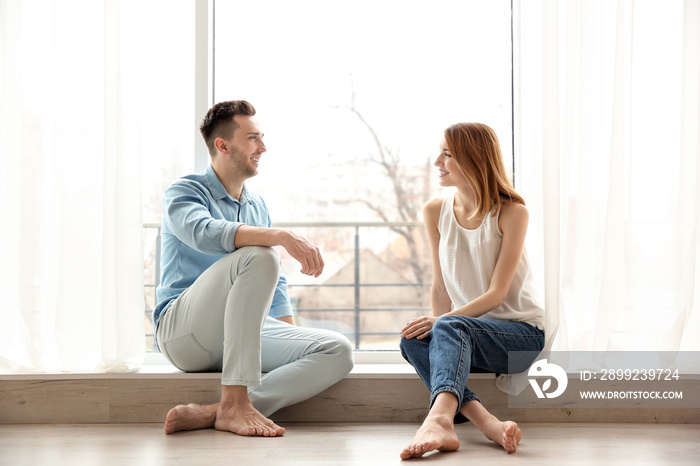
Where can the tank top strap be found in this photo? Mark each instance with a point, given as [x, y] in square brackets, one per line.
[490, 224]
[445, 218]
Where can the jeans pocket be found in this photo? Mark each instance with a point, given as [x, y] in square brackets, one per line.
[187, 354]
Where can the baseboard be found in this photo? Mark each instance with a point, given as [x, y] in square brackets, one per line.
[382, 393]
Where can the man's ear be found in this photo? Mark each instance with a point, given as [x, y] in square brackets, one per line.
[221, 145]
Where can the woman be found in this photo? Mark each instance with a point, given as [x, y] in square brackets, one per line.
[482, 297]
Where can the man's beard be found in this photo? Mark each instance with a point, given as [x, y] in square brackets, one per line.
[243, 167]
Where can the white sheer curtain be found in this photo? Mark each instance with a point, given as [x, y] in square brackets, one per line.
[71, 260]
[607, 128]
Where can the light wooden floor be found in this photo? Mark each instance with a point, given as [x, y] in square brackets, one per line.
[343, 444]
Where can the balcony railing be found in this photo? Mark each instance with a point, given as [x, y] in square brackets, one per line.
[366, 303]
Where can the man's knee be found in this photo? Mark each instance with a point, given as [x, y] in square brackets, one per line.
[343, 351]
[260, 257]
[263, 253]
[338, 352]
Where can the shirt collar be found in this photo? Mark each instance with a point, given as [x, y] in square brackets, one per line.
[245, 197]
[217, 189]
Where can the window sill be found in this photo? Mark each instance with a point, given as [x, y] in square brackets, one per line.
[166, 371]
[369, 393]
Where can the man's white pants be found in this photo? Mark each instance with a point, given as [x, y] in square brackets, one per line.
[221, 323]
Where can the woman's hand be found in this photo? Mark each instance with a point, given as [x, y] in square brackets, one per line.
[419, 327]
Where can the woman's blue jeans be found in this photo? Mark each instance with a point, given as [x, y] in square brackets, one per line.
[457, 345]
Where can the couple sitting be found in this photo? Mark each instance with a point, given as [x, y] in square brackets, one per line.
[223, 303]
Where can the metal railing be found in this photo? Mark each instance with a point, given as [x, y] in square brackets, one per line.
[152, 260]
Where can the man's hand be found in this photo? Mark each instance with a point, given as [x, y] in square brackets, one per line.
[298, 247]
[305, 253]
[419, 327]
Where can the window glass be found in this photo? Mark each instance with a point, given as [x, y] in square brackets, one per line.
[353, 98]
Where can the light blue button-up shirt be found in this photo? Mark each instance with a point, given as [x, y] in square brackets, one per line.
[200, 220]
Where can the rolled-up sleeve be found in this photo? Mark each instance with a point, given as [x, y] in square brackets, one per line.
[187, 211]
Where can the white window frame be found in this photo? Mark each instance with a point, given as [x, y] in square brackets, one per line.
[203, 75]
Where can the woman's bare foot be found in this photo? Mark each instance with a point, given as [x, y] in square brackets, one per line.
[190, 417]
[436, 433]
[507, 434]
[244, 419]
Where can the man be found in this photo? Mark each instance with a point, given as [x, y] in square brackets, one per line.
[223, 302]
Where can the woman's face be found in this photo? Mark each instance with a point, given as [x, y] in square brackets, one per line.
[449, 174]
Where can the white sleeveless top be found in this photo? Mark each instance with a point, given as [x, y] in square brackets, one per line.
[468, 259]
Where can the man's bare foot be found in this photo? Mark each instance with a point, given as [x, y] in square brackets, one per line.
[507, 434]
[436, 433]
[190, 417]
[244, 419]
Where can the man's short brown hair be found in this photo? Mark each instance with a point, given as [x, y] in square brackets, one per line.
[219, 123]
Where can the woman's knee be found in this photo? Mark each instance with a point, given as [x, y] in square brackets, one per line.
[411, 346]
[453, 323]
[406, 345]
[445, 323]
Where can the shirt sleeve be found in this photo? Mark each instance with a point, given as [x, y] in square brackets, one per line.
[186, 211]
[281, 304]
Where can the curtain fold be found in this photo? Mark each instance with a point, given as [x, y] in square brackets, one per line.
[686, 326]
[71, 257]
[607, 141]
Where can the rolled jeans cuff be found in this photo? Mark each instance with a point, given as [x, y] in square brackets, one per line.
[471, 396]
[468, 398]
[461, 418]
[451, 390]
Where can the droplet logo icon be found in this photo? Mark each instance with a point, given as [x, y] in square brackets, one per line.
[542, 368]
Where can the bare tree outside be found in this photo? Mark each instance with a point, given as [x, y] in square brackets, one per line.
[410, 190]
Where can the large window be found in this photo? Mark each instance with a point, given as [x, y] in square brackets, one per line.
[353, 97]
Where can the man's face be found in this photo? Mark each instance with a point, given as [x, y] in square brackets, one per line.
[246, 146]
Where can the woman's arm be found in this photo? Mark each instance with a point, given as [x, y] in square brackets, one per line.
[440, 302]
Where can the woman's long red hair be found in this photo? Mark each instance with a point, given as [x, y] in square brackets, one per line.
[476, 150]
